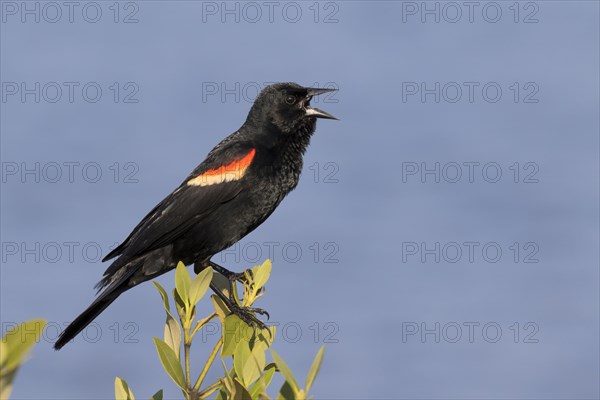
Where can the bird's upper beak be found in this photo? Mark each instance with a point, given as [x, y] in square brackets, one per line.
[315, 112]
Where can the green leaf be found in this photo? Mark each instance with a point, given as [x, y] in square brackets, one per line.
[287, 392]
[260, 387]
[314, 369]
[285, 371]
[3, 352]
[220, 308]
[230, 331]
[233, 333]
[227, 381]
[261, 274]
[14, 348]
[199, 285]
[222, 395]
[173, 335]
[172, 331]
[18, 341]
[260, 356]
[170, 363]
[245, 364]
[240, 358]
[163, 295]
[180, 306]
[6, 383]
[183, 281]
[122, 391]
[239, 392]
[222, 283]
[265, 337]
[157, 396]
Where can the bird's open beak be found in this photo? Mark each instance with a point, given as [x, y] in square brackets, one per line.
[315, 112]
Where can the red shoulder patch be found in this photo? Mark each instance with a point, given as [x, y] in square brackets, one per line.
[233, 171]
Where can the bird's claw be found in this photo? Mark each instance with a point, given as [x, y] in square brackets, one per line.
[246, 314]
[237, 277]
[260, 311]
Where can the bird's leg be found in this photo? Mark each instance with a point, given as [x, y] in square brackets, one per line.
[244, 313]
[232, 276]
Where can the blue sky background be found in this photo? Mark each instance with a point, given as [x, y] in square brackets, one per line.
[352, 266]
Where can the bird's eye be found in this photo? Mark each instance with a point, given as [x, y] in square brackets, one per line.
[290, 99]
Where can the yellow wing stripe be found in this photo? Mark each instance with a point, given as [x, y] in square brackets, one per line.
[225, 173]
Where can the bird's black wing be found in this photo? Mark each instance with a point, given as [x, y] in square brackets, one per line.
[216, 181]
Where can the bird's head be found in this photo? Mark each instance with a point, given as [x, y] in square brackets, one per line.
[288, 104]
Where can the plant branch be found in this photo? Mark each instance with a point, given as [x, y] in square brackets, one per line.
[187, 344]
[209, 362]
[203, 322]
[209, 390]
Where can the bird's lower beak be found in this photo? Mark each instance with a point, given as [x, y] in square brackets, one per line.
[315, 112]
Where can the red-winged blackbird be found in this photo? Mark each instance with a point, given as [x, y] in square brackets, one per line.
[237, 187]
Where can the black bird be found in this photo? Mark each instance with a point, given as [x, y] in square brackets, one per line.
[234, 190]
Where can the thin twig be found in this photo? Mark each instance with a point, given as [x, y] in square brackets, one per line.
[201, 323]
[209, 362]
[186, 354]
[209, 390]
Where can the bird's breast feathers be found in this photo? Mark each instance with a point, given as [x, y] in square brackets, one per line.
[233, 171]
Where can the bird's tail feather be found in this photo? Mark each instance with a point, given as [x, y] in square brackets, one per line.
[105, 299]
[86, 317]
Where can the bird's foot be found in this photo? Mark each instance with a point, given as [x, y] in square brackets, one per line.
[237, 277]
[246, 314]
[244, 278]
